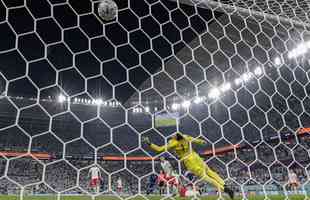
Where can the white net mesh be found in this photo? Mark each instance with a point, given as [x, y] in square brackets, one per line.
[290, 10]
[78, 92]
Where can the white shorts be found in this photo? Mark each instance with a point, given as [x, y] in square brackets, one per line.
[191, 193]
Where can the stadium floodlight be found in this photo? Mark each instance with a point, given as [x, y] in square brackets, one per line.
[61, 98]
[301, 49]
[175, 106]
[308, 44]
[246, 76]
[214, 93]
[277, 61]
[238, 81]
[147, 109]
[186, 104]
[104, 103]
[99, 102]
[75, 100]
[225, 87]
[291, 54]
[258, 71]
[198, 100]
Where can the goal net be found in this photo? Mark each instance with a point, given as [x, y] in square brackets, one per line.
[77, 92]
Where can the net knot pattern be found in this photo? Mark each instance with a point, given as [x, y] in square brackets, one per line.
[78, 91]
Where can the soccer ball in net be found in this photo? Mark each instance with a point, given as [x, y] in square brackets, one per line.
[107, 10]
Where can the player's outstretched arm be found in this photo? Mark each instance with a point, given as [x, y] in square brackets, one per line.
[197, 140]
[159, 149]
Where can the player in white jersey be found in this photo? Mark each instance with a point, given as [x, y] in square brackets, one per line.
[293, 182]
[171, 176]
[95, 174]
[192, 192]
[119, 185]
[166, 167]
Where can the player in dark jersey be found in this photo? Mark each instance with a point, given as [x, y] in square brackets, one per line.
[151, 184]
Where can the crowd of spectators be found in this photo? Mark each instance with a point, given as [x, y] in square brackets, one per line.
[72, 176]
[261, 164]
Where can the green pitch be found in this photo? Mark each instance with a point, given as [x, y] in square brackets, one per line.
[273, 197]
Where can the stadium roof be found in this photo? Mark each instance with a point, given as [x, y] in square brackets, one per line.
[83, 38]
[167, 47]
[218, 59]
[280, 10]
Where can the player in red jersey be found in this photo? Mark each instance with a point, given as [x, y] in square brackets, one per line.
[161, 180]
[95, 174]
[119, 183]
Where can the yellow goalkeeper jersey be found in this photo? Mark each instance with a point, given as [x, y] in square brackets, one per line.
[192, 161]
[181, 147]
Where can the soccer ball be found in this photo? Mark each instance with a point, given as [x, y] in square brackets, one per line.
[107, 10]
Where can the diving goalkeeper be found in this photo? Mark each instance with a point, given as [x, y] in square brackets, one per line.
[181, 144]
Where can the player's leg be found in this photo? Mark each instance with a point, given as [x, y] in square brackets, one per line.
[197, 166]
[91, 185]
[175, 186]
[169, 181]
[162, 190]
[98, 186]
[161, 187]
[214, 175]
[219, 180]
[201, 172]
[150, 188]
[295, 187]
[171, 188]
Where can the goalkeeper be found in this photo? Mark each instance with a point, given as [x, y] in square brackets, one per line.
[181, 144]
